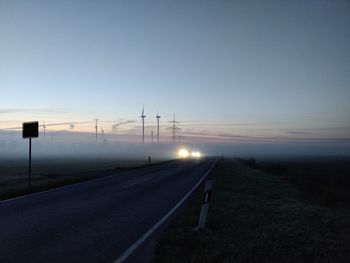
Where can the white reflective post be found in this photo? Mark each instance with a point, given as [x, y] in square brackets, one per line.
[205, 205]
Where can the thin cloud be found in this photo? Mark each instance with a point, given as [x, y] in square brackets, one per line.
[197, 123]
[269, 138]
[16, 110]
[117, 125]
[71, 125]
[300, 133]
[65, 123]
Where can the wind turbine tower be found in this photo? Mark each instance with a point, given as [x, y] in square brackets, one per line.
[143, 124]
[158, 117]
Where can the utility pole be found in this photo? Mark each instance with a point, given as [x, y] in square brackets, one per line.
[44, 127]
[96, 126]
[103, 134]
[174, 128]
[158, 117]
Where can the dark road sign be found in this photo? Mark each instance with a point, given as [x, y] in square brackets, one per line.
[30, 129]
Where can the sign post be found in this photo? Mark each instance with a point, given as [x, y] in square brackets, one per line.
[30, 164]
[30, 130]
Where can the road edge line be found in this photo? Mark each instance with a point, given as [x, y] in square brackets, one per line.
[147, 234]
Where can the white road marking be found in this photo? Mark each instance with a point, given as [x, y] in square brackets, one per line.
[146, 235]
[137, 182]
[133, 182]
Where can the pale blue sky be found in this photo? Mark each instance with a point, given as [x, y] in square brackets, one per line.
[280, 64]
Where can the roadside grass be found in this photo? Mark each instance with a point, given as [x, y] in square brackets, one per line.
[256, 217]
[325, 181]
[48, 174]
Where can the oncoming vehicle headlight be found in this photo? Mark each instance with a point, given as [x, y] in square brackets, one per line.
[183, 153]
[196, 154]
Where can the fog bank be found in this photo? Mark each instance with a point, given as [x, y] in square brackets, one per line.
[84, 145]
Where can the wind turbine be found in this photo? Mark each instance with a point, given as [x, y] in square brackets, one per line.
[143, 116]
[158, 117]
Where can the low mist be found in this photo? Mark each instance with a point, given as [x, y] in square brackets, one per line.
[84, 145]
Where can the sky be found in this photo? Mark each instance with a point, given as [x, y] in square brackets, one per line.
[231, 70]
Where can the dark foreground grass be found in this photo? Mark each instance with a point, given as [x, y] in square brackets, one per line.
[326, 182]
[256, 217]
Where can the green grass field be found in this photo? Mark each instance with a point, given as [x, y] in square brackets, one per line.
[256, 217]
[51, 173]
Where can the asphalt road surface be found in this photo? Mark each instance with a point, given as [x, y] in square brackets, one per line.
[94, 221]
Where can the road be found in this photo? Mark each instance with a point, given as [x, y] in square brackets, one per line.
[94, 221]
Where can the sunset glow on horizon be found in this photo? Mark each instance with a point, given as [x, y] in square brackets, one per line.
[230, 71]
